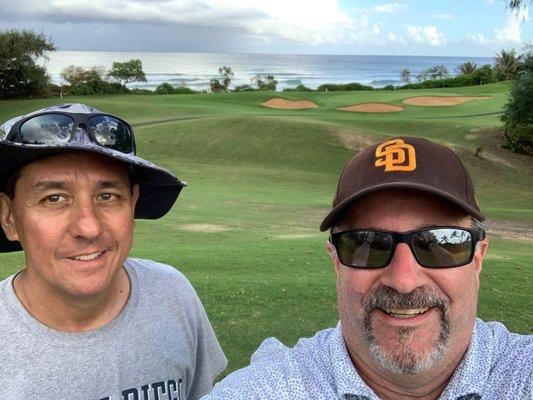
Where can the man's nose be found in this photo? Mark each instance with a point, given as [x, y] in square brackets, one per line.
[403, 273]
[86, 220]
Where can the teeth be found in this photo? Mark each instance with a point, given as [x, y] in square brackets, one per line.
[87, 257]
[405, 313]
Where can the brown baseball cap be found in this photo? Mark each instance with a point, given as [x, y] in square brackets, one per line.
[404, 163]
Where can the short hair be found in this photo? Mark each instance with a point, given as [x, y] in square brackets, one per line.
[9, 184]
[476, 223]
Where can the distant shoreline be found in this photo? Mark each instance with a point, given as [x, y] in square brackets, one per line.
[195, 69]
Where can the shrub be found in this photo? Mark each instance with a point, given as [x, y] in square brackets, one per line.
[84, 82]
[265, 82]
[518, 112]
[331, 87]
[519, 139]
[53, 90]
[141, 91]
[216, 86]
[480, 76]
[486, 74]
[164, 88]
[244, 88]
[299, 88]
[167, 88]
[458, 81]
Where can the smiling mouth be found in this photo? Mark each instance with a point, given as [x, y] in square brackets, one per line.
[404, 312]
[88, 257]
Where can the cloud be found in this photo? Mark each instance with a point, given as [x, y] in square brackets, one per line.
[393, 38]
[389, 8]
[478, 38]
[511, 31]
[298, 21]
[444, 16]
[426, 34]
[364, 20]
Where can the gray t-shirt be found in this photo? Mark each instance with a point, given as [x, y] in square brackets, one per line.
[161, 346]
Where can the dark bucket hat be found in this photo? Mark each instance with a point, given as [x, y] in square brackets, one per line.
[158, 188]
[404, 163]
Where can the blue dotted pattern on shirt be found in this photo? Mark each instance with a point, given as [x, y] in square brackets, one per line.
[497, 365]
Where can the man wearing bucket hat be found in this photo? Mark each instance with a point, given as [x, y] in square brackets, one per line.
[82, 320]
[407, 247]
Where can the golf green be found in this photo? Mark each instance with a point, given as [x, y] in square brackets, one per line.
[260, 180]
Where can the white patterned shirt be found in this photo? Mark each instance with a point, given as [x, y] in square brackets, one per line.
[497, 365]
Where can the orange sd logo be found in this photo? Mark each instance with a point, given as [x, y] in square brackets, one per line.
[396, 155]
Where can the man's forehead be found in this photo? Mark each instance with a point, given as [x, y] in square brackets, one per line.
[386, 209]
[74, 166]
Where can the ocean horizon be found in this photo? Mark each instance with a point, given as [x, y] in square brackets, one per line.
[195, 70]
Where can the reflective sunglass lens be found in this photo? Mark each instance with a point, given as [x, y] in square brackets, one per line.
[47, 129]
[111, 132]
[443, 247]
[365, 249]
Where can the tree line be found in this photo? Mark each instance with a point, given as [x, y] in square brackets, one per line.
[21, 77]
[507, 66]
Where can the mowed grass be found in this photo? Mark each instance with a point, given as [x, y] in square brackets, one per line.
[245, 230]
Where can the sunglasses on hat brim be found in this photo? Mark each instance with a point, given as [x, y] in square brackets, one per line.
[432, 247]
[58, 128]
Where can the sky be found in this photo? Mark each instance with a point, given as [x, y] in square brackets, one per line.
[398, 27]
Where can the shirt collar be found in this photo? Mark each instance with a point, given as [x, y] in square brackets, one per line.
[468, 379]
[472, 373]
[347, 379]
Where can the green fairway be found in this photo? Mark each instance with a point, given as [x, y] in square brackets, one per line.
[245, 229]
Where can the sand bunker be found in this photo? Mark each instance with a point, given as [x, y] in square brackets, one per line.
[436, 101]
[372, 108]
[208, 228]
[285, 104]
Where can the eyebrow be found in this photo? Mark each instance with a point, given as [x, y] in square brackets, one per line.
[102, 184]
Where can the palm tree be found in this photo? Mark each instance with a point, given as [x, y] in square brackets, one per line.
[437, 72]
[406, 75]
[515, 4]
[227, 74]
[507, 63]
[467, 68]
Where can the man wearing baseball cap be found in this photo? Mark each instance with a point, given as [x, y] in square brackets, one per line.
[81, 320]
[407, 246]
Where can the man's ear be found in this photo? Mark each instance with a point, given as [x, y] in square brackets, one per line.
[332, 251]
[6, 217]
[134, 195]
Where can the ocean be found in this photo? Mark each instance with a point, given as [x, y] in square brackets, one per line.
[196, 69]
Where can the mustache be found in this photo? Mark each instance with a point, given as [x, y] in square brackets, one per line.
[83, 245]
[421, 297]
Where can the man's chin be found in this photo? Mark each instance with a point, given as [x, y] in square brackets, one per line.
[406, 357]
[406, 350]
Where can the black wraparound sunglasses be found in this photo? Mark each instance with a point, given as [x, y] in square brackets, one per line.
[58, 128]
[433, 247]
